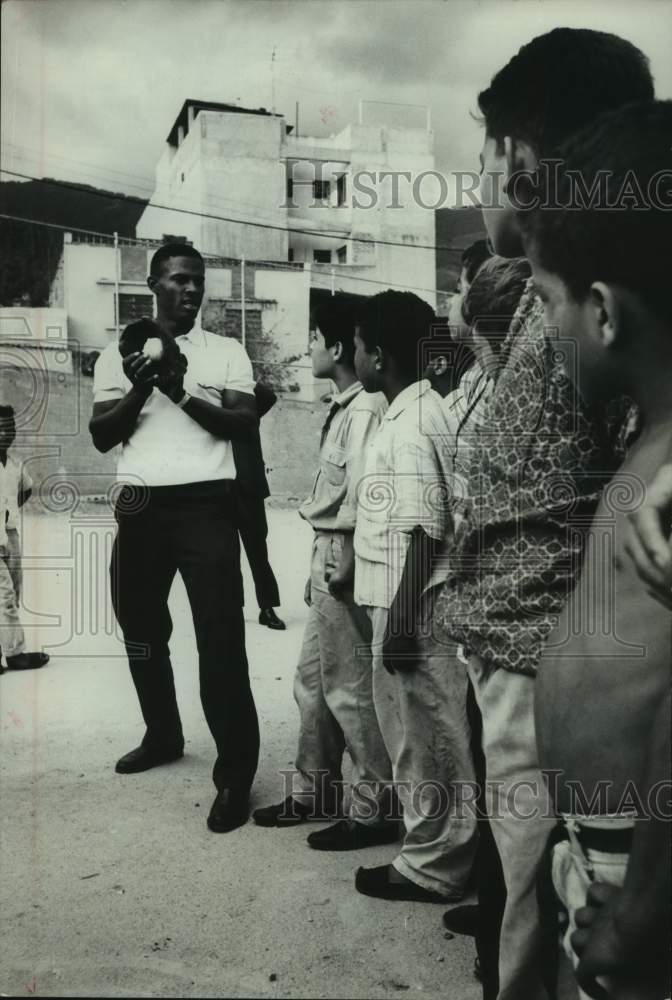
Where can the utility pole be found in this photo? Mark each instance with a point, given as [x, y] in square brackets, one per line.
[117, 309]
[242, 300]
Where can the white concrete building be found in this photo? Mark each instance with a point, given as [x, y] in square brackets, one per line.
[35, 339]
[358, 206]
[101, 288]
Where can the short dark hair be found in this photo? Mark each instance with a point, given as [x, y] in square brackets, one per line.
[494, 295]
[169, 250]
[336, 317]
[559, 82]
[6, 412]
[397, 322]
[625, 244]
[474, 256]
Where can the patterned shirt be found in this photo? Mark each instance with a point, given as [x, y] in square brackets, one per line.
[535, 471]
[407, 484]
[332, 505]
[470, 400]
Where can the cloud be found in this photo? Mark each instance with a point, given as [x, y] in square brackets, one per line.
[91, 89]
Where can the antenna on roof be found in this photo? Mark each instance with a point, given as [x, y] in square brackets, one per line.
[273, 80]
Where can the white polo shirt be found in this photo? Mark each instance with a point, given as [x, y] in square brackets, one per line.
[167, 447]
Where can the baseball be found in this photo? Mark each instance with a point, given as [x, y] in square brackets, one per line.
[153, 349]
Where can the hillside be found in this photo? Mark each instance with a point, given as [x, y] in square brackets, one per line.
[30, 253]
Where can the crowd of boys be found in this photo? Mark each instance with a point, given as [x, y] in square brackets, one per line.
[519, 672]
[478, 638]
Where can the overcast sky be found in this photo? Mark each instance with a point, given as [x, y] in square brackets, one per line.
[90, 88]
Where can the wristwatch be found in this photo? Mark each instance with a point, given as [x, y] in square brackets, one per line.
[183, 402]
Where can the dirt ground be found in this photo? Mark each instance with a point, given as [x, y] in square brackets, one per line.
[112, 885]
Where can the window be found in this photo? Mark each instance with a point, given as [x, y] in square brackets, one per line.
[322, 256]
[342, 254]
[132, 307]
[321, 190]
[290, 254]
[340, 190]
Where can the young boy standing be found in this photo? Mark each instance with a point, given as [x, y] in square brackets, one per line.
[516, 561]
[603, 688]
[403, 528]
[332, 686]
[15, 488]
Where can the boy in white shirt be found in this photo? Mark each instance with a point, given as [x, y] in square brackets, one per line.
[15, 489]
[403, 529]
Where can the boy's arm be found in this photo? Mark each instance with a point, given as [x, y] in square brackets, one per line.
[620, 930]
[363, 425]
[25, 487]
[421, 502]
[399, 644]
[648, 542]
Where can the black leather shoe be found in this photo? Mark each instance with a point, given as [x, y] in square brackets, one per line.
[346, 835]
[230, 810]
[27, 661]
[462, 920]
[287, 813]
[376, 882]
[145, 758]
[268, 617]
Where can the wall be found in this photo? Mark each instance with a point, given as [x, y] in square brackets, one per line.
[52, 436]
[228, 165]
[288, 319]
[23, 324]
[290, 438]
[368, 214]
[35, 339]
[88, 303]
[52, 415]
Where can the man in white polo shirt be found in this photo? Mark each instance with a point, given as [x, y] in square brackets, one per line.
[176, 514]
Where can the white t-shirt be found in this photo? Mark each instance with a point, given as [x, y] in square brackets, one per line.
[168, 447]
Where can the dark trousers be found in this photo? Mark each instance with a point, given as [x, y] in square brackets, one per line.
[490, 886]
[253, 528]
[191, 530]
